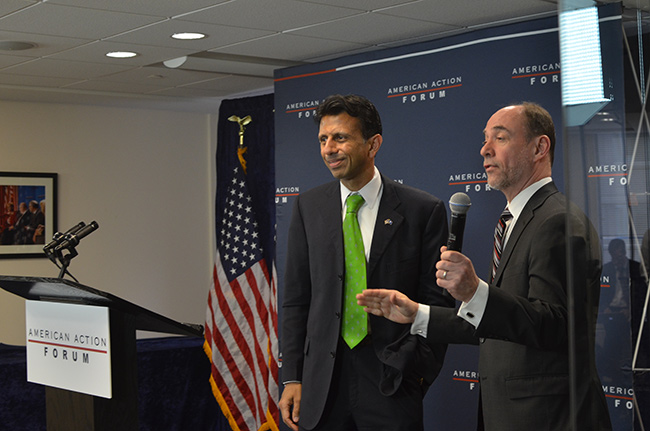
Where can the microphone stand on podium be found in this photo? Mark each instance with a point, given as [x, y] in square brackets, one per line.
[68, 241]
[69, 405]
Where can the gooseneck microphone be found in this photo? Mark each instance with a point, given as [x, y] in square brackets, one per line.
[459, 204]
[72, 240]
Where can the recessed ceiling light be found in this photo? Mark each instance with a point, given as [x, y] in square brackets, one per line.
[121, 54]
[14, 45]
[188, 36]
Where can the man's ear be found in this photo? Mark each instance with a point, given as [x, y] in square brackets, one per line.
[375, 144]
[542, 146]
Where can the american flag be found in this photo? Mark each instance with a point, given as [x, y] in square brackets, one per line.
[241, 319]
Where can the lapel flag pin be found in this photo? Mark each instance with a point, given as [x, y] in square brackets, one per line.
[388, 221]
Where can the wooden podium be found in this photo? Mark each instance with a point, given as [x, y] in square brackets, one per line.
[72, 411]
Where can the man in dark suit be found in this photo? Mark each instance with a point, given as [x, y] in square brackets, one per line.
[379, 383]
[37, 219]
[520, 318]
[23, 219]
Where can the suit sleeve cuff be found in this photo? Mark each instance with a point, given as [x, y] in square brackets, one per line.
[473, 310]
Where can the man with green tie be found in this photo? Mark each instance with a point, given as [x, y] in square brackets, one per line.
[342, 369]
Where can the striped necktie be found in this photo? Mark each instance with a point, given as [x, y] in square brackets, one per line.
[499, 234]
[355, 322]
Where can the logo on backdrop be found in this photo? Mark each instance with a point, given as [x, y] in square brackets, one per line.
[282, 194]
[470, 181]
[470, 378]
[303, 109]
[614, 175]
[538, 74]
[621, 397]
[425, 91]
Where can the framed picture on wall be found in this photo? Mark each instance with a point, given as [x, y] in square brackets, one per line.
[28, 208]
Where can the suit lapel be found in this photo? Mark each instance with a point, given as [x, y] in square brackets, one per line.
[330, 212]
[524, 219]
[387, 224]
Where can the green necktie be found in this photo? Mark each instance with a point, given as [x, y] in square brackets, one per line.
[355, 321]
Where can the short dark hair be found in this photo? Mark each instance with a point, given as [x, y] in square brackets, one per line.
[355, 106]
[539, 122]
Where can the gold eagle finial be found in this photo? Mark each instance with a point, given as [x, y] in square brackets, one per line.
[243, 122]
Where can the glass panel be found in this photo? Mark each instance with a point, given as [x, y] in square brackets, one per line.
[606, 144]
[637, 145]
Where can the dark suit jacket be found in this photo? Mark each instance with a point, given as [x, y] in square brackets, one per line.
[524, 333]
[411, 226]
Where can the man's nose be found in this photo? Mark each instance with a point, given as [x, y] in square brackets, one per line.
[329, 145]
[486, 149]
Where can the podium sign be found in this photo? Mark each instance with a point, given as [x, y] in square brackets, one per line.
[68, 347]
[91, 378]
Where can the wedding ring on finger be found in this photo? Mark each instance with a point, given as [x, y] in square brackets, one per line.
[444, 275]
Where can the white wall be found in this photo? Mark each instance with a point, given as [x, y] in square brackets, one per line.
[145, 176]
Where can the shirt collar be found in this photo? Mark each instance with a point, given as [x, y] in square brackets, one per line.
[516, 206]
[369, 192]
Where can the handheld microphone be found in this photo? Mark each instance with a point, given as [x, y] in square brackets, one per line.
[459, 204]
[58, 236]
[72, 240]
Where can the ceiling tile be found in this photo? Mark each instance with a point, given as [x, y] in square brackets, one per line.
[456, 13]
[191, 92]
[366, 29]
[220, 87]
[160, 76]
[367, 5]
[229, 67]
[237, 83]
[117, 87]
[303, 48]
[9, 6]
[12, 60]
[280, 15]
[64, 69]
[161, 8]
[56, 20]
[34, 81]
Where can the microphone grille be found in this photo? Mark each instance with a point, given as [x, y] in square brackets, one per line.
[459, 203]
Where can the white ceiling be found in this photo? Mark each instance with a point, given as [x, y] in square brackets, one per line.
[247, 40]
